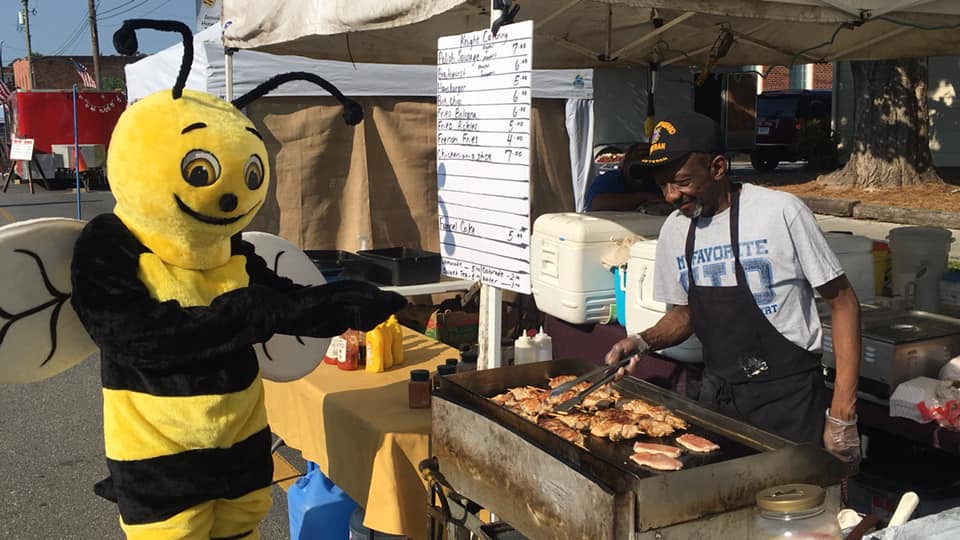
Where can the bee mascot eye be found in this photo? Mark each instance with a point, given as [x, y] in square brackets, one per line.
[253, 172]
[200, 168]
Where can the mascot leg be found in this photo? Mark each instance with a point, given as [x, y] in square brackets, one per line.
[234, 517]
[192, 524]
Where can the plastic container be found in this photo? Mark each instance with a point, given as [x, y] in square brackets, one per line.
[419, 389]
[396, 340]
[468, 359]
[567, 276]
[881, 267]
[543, 344]
[523, 351]
[794, 512]
[359, 532]
[446, 369]
[402, 265]
[378, 350]
[642, 311]
[452, 362]
[347, 349]
[919, 257]
[330, 262]
[950, 293]
[317, 508]
[620, 292]
[855, 254]
[335, 351]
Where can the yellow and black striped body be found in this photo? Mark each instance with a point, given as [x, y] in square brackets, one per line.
[185, 428]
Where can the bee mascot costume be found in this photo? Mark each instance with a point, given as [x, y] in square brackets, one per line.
[175, 300]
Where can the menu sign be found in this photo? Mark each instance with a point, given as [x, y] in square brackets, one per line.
[483, 155]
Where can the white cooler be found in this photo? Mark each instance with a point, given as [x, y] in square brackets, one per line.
[567, 277]
[855, 254]
[642, 310]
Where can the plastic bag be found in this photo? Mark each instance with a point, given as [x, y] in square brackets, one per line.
[945, 408]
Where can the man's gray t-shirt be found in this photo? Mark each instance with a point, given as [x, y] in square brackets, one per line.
[782, 250]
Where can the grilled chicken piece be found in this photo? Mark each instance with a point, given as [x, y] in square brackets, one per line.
[569, 394]
[615, 424]
[654, 427]
[695, 443]
[657, 412]
[651, 448]
[618, 424]
[504, 399]
[527, 392]
[558, 428]
[576, 420]
[659, 462]
[601, 398]
[531, 407]
[554, 382]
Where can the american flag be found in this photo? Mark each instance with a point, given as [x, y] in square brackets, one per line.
[85, 76]
[4, 91]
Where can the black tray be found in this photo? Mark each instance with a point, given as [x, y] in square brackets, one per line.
[332, 263]
[398, 266]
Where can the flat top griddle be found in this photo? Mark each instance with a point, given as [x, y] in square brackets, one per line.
[560, 490]
[736, 440]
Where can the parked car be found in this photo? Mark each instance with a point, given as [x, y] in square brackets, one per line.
[780, 116]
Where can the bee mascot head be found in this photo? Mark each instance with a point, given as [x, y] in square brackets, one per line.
[189, 170]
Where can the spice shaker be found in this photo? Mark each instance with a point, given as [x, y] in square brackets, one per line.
[419, 389]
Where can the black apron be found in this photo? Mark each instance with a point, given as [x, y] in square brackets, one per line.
[752, 372]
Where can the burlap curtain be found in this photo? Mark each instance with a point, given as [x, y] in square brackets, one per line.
[332, 182]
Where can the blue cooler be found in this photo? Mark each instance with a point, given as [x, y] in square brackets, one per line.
[620, 290]
[318, 508]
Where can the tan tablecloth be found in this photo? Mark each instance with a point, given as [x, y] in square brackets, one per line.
[359, 430]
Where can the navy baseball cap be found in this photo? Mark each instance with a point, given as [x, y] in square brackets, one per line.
[678, 135]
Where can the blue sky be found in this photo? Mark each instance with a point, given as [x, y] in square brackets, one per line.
[56, 26]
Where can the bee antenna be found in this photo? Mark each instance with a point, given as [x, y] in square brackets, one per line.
[352, 111]
[125, 41]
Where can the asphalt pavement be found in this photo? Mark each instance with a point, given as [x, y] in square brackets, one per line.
[51, 432]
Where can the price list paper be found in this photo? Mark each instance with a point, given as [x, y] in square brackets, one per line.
[483, 155]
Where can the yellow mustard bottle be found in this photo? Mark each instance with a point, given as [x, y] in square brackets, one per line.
[378, 349]
[396, 344]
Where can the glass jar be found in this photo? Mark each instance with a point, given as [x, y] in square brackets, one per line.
[419, 389]
[468, 359]
[794, 511]
[446, 369]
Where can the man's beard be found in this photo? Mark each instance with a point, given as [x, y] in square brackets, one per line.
[697, 209]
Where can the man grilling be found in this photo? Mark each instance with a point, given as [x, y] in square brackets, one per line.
[740, 264]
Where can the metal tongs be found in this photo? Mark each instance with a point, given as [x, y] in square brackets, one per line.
[611, 371]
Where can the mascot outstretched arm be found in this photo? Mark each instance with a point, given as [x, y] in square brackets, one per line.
[175, 300]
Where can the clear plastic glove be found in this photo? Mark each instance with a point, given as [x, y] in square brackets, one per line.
[841, 438]
[630, 345]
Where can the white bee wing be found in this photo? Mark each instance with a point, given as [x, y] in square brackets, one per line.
[285, 358]
[40, 334]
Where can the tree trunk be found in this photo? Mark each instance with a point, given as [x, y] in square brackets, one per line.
[891, 127]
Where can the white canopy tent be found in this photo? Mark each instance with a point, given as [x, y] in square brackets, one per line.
[592, 33]
[250, 68]
[208, 74]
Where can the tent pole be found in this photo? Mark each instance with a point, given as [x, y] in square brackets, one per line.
[228, 71]
[491, 298]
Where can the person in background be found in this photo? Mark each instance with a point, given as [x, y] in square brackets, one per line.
[619, 189]
[740, 263]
